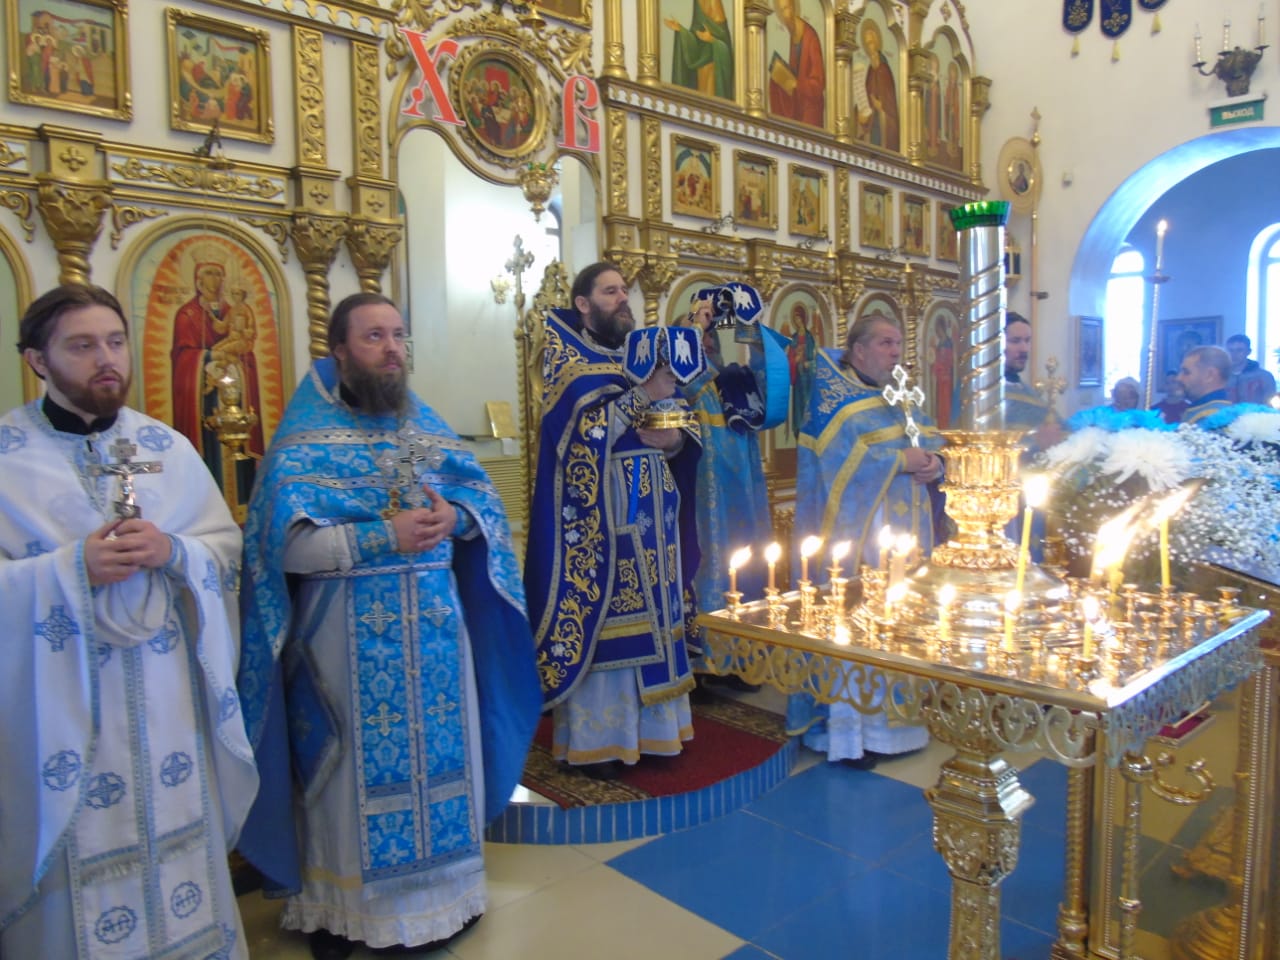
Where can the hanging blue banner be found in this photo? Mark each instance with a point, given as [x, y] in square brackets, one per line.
[1115, 17]
[1076, 15]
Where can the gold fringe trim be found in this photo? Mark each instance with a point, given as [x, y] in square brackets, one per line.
[1075, 45]
[1115, 51]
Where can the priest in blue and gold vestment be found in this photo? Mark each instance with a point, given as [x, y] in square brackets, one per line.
[387, 667]
[857, 472]
[612, 542]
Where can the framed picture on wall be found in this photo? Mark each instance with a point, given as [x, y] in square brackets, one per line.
[1176, 337]
[1089, 358]
[755, 190]
[875, 216]
[807, 202]
[69, 55]
[948, 238]
[219, 72]
[914, 228]
[695, 177]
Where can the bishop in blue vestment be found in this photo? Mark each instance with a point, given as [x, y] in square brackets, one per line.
[612, 542]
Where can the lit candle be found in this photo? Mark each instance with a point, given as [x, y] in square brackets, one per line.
[1161, 227]
[1199, 58]
[898, 558]
[1164, 510]
[771, 554]
[808, 547]
[1226, 34]
[739, 559]
[1089, 610]
[1012, 601]
[1165, 580]
[1034, 490]
[838, 552]
[1261, 26]
[946, 597]
[893, 596]
[885, 542]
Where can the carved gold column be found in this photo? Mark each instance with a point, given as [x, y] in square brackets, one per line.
[764, 271]
[919, 73]
[647, 28]
[979, 103]
[651, 151]
[659, 269]
[308, 66]
[978, 805]
[755, 14]
[316, 240]
[915, 295]
[375, 229]
[844, 78]
[844, 208]
[1137, 772]
[849, 287]
[618, 193]
[615, 62]
[72, 198]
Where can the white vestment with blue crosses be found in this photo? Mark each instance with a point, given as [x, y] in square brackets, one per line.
[125, 771]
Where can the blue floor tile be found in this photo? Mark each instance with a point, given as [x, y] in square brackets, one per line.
[740, 872]
[859, 812]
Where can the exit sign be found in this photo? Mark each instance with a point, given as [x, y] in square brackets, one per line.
[1237, 111]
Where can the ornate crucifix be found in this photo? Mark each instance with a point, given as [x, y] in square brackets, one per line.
[124, 470]
[412, 449]
[521, 260]
[1051, 386]
[907, 398]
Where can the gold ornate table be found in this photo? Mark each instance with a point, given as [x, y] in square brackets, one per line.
[986, 703]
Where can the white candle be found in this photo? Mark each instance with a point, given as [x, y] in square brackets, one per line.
[1226, 34]
[1199, 57]
[808, 547]
[1089, 610]
[1161, 228]
[1262, 42]
[771, 554]
[739, 559]
[1012, 602]
[885, 542]
[838, 552]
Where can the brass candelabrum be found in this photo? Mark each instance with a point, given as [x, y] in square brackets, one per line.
[1234, 67]
[537, 179]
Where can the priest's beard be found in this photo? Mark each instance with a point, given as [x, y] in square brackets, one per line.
[93, 398]
[611, 329]
[377, 391]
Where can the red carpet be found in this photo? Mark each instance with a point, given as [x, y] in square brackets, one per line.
[728, 737]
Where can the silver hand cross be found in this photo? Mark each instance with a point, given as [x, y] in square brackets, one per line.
[413, 449]
[125, 469]
[901, 396]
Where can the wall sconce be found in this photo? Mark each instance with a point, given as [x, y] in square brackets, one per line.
[1234, 66]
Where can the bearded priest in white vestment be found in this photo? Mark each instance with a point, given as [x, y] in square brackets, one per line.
[125, 772]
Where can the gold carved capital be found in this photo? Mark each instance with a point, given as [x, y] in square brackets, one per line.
[314, 189]
[371, 244]
[372, 197]
[73, 154]
[72, 213]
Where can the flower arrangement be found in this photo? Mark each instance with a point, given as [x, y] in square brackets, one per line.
[1109, 463]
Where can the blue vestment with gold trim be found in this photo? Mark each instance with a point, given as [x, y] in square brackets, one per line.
[406, 616]
[849, 465]
[1024, 407]
[850, 481]
[612, 534]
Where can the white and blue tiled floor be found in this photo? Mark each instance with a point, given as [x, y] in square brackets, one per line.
[832, 863]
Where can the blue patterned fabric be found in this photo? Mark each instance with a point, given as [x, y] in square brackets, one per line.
[403, 617]
[1220, 415]
[849, 478]
[733, 404]
[612, 531]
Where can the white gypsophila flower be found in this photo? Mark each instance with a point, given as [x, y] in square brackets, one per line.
[1079, 447]
[1258, 426]
[1158, 456]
